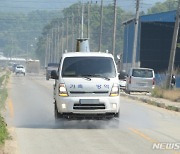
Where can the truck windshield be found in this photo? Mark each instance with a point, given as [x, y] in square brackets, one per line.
[88, 66]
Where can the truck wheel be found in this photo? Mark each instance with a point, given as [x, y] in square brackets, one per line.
[127, 92]
[117, 115]
[57, 115]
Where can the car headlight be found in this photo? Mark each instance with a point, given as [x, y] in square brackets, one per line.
[62, 90]
[115, 90]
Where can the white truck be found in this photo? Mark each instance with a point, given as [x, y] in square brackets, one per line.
[86, 86]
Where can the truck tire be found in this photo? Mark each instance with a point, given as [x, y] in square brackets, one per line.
[117, 115]
[128, 92]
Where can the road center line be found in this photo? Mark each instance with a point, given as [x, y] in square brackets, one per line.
[11, 109]
[142, 135]
[139, 133]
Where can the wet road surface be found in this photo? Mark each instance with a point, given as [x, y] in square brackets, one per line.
[30, 110]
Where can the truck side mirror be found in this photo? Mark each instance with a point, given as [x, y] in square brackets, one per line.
[54, 74]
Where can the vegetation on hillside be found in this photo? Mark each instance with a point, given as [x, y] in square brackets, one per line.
[19, 32]
[59, 26]
[168, 5]
[23, 34]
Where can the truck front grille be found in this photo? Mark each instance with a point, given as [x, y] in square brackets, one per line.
[88, 106]
[92, 92]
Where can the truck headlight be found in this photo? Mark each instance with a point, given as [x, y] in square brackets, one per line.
[62, 90]
[115, 90]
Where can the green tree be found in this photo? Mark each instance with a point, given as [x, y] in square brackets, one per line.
[19, 30]
[168, 5]
[75, 9]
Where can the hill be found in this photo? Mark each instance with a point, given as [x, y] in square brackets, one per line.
[31, 5]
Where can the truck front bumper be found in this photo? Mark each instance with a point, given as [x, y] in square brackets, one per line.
[72, 105]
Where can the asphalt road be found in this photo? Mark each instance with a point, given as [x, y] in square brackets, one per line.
[30, 111]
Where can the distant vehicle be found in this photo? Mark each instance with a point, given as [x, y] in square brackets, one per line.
[14, 67]
[122, 79]
[86, 86]
[33, 66]
[49, 68]
[20, 69]
[140, 80]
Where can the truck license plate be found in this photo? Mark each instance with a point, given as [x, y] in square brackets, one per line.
[89, 101]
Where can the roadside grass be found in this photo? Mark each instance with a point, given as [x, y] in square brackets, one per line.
[3, 96]
[3, 131]
[173, 95]
[2, 79]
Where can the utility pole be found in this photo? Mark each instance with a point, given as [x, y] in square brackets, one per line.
[67, 22]
[72, 32]
[49, 49]
[135, 34]
[58, 44]
[79, 25]
[52, 48]
[82, 20]
[62, 41]
[173, 48]
[12, 49]
[100, 36]
[46, 54]
[114, 28]
[88, 18]
[55, 45]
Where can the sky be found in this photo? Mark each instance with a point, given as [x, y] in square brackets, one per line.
[29, 5]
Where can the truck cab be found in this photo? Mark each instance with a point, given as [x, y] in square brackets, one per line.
[86, 86]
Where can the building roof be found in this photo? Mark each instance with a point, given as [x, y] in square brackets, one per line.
[159, 17]
[168, 16]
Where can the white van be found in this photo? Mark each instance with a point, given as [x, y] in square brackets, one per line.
[86, 86]
[20, 69]
[140, 80]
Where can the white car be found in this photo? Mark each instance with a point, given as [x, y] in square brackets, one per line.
[86, 86]
[20, 69]
[140, 80]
